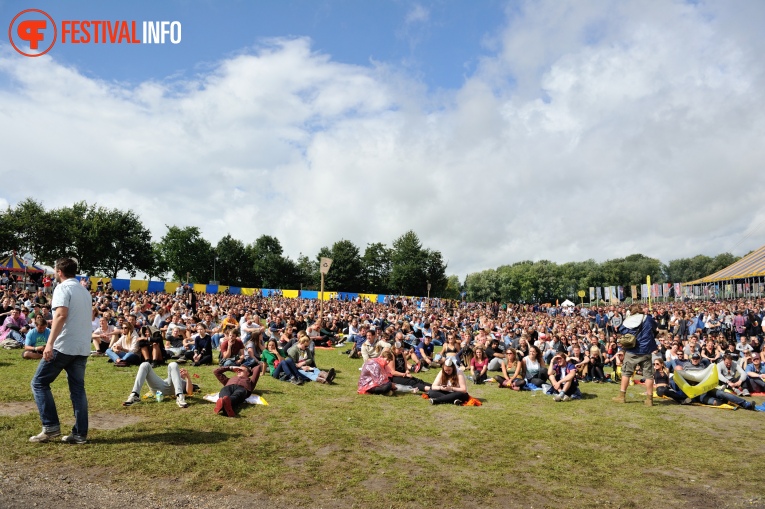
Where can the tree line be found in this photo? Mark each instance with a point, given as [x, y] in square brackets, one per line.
[106, 241]
[546, 281]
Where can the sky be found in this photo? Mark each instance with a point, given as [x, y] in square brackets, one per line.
[497, 131]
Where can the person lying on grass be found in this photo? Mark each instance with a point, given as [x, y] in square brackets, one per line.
[449, 386]
[177, 384]
[235, 389]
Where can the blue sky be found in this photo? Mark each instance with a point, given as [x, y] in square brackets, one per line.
[497, 131]
[439, 41]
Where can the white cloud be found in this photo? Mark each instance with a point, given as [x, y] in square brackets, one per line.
[417, 14]
[596, 130]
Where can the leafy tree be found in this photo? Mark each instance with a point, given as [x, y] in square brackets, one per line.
[412, 267]
[124, 242]
[347, 271]
[159, 267]
[29, 229]
[271, 269]
[307, 273]
[186, 252]
[408, 262]
[234, 266]
[453, 288]
[377, 267]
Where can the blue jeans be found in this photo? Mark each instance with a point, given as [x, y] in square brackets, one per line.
[47, 372]
[129, 357]
[288, 366]
[216, 340]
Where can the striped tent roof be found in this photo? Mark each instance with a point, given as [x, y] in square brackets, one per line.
[752, 265]
[15, 264]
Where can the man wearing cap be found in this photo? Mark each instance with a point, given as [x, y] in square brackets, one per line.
[730, 373]
[715, 397]
[755, 374]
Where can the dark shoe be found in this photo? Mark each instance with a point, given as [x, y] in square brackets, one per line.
[458, 402]
[283, 376]
[73, 439]
[331, 375]
[121, 364]
[296, 381]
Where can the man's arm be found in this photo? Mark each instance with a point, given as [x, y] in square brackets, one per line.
[220, 376]
[59, 318]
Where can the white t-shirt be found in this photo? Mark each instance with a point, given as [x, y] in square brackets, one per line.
[74, 338]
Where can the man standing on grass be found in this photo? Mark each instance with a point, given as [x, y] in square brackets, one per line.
[643, 327]
[67, 349]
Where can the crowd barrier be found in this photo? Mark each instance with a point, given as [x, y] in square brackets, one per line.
[136, 285]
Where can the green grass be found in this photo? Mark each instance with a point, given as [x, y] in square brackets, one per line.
[518, 449]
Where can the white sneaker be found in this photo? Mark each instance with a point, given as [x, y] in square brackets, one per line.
[133, 398]
[45, 437]
[559, 396]
[180, 400]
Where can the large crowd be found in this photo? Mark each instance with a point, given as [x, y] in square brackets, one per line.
[515, 346]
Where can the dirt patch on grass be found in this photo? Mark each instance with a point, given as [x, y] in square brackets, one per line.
[106, 420]
[16, 408]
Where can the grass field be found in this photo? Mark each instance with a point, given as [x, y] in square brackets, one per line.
[337, 448]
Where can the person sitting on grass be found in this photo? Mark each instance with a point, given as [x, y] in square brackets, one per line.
[661, 376]
[235, 389]
[449, 386]
[596, 364]
[303, 356]
[177, 384]
[401, 376]
[562, 377]
[281, 366]
[37, 338]
[478, 365]
[102, 336]
[375, 375]
[755, 374]
[512, 371]
[202, 352]
[150, 344]
[232, 349]
[126, 350]
[534, 368]
[425, 354]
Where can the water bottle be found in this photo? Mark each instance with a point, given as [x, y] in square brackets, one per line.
[160, 396]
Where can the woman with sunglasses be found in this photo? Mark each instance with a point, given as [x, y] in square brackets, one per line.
[661, 383]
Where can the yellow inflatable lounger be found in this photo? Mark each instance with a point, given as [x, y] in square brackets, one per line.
[703, 381]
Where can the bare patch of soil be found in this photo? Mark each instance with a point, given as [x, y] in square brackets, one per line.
[16, 408]
[106, 420]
